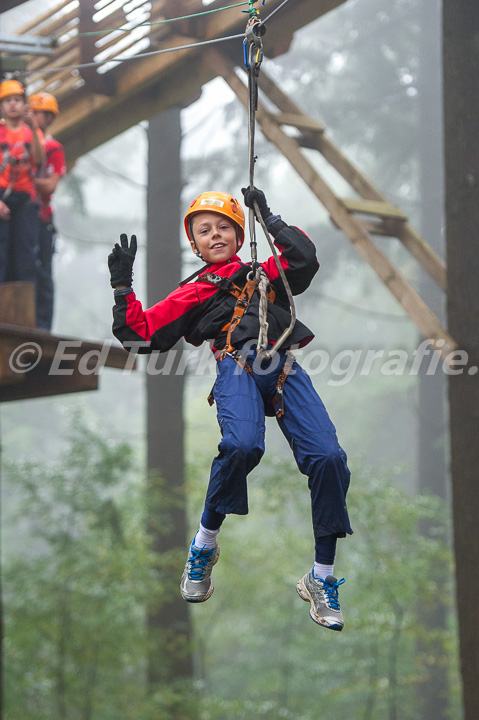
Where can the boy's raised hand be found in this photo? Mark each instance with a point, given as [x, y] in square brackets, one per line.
[255, 194]
[274, 223]
[120, 261]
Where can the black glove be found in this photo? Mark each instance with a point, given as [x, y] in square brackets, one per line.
[255, 194]
[273, 223]
[120, 261]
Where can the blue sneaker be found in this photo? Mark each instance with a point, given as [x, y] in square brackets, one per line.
[196, 582]
[323, 596]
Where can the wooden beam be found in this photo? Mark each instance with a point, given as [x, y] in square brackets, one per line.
[39, 19]
[57, 364]
[419, 312]
[373, 207]
[300, 121]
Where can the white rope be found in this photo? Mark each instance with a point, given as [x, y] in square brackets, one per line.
[262, 344]
[267, 355]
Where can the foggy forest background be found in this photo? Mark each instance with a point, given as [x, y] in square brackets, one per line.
[77, 565]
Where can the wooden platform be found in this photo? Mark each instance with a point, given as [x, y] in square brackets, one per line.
[35, 363]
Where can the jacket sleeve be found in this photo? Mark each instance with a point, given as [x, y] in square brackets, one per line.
[159, 327]
[297, 258]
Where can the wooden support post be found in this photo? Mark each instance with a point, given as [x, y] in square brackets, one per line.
[17, 304]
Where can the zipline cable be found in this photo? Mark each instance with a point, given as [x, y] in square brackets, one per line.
[273, 12]
[133, 57]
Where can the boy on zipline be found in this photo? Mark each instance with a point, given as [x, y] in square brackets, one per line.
[221, 307]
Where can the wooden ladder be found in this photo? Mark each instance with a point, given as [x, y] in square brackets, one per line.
[359, 218]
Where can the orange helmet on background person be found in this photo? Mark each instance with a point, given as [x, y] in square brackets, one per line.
[217, 202]
[11, 87]
[44, 102]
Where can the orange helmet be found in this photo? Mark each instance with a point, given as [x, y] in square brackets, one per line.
[44, 102]
[218, 202]
[11, 87]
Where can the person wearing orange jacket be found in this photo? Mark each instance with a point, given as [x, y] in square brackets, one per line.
[21, 151]
[46, 109]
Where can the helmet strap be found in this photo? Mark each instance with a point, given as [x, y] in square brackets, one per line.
[197, 253]
[238, 239]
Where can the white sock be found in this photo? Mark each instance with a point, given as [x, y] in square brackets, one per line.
[322, 571]
[205, 538]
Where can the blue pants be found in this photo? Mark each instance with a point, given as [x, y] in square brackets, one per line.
[45, 291]
[242, 402]
[19, 240]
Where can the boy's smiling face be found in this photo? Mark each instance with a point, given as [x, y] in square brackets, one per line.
[215, 236]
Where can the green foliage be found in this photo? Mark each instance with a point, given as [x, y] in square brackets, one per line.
[75, 595]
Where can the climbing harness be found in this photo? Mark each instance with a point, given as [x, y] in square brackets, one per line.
[253, 57]
[243, 299]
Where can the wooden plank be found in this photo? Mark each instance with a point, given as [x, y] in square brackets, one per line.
[404, 293]
[300, 121]
[59, 24]
[116, 357]
[17, 304]
[373, 207]
[7, 371]
[64, 365]
[379, 227]
[39, 19]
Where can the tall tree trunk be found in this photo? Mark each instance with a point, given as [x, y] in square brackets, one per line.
[170, 662]
[432, 415]
[461, 114]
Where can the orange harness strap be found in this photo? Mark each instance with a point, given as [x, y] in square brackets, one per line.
[243, 299]
[242, 303]
[241, 306]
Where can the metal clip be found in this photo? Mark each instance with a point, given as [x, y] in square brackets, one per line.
[255, 31]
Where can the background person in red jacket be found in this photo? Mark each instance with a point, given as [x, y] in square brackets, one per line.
[21, 151]
[246, 390]
[49, 173]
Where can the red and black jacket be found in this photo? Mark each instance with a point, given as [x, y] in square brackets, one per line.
[198, 310]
